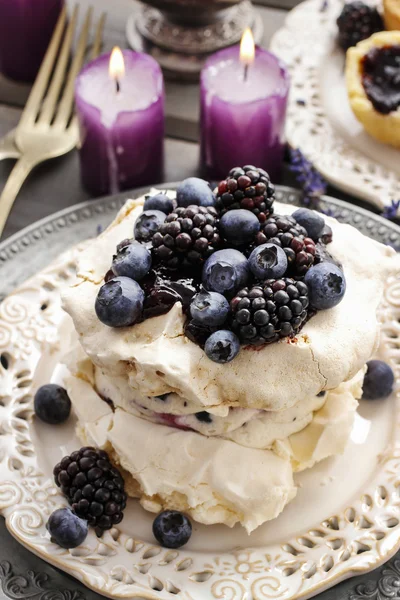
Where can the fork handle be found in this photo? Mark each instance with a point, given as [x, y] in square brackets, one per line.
[14, 183]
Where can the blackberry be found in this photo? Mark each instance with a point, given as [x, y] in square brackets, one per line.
[188, 236]
[284, 231]
[249, 188]
[265, 313]
[357, 22]
[93, 487]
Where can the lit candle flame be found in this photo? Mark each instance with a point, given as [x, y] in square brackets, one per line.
[117, 66]
[247, 49]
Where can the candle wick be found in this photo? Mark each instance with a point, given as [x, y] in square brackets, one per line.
[117, 85]
[246, 72]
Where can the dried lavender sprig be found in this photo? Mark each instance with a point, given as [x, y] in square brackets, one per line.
[392, 211]
[312, 183]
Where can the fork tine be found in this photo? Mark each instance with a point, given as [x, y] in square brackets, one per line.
[39, 87]
[98, 40]
[66, 104]
[53, 93]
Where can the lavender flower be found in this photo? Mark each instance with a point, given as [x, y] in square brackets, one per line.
[311, 181]
[391, 212]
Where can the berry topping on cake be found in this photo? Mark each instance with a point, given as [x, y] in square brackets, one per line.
[275, 309]
[248, 188]
[67, 529]
[93, 487]
[52, 404]
[159, 202]
[147, 224]
[284, 231]
[194, 191]
[222, 346]
[172, 529]
[226, 271]
[239, 227]
[268, 261]
[119, 302]
[237, 271]
[312, 221]
[378, 380]
[326, 284]
[357, 22]
[132, 260]
[209, 308]
[188, 236]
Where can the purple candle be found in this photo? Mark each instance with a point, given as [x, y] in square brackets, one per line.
[120, 106]
[26, 27]
[244, 95]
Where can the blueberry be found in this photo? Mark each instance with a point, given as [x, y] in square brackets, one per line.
[66, 529]
[119, 302]
[133, 260]
[226, 271]
[222, 346]
[312, 222]
[147, 224]
[194, 191]
[326, 285]
[172, 529]
[209, 308]
[52, 404]
[204, 417]
[268, 262]
[239, 226]
[159, 202]
[378, 380]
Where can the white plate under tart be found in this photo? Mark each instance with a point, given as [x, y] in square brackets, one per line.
[345, 519]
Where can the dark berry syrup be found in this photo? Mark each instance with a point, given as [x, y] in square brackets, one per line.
[381, 78]
[164, 287]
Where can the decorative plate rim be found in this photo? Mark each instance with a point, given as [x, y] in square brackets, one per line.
[308, 126]
[356, 539]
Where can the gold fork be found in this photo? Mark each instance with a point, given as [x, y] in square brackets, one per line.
[47, 127]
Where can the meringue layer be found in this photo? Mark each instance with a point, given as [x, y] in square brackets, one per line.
[155, 357]
[214, 480]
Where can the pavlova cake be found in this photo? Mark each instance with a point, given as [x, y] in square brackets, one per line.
[220, 345]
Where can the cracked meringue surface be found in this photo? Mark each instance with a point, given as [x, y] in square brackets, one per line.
[155, 357]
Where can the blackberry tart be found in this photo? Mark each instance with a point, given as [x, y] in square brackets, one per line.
[373, 84]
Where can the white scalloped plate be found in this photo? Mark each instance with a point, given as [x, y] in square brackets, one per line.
[345, 519]
[325, 128]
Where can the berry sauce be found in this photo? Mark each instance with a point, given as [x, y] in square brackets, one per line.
[381, 78]
[163, 288]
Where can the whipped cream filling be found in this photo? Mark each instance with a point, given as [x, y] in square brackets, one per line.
[250, 427]
[155, 357]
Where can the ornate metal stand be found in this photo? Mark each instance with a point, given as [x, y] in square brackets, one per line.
[182, 43]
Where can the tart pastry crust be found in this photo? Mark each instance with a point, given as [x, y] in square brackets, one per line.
[384, 128]
[391, 10]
